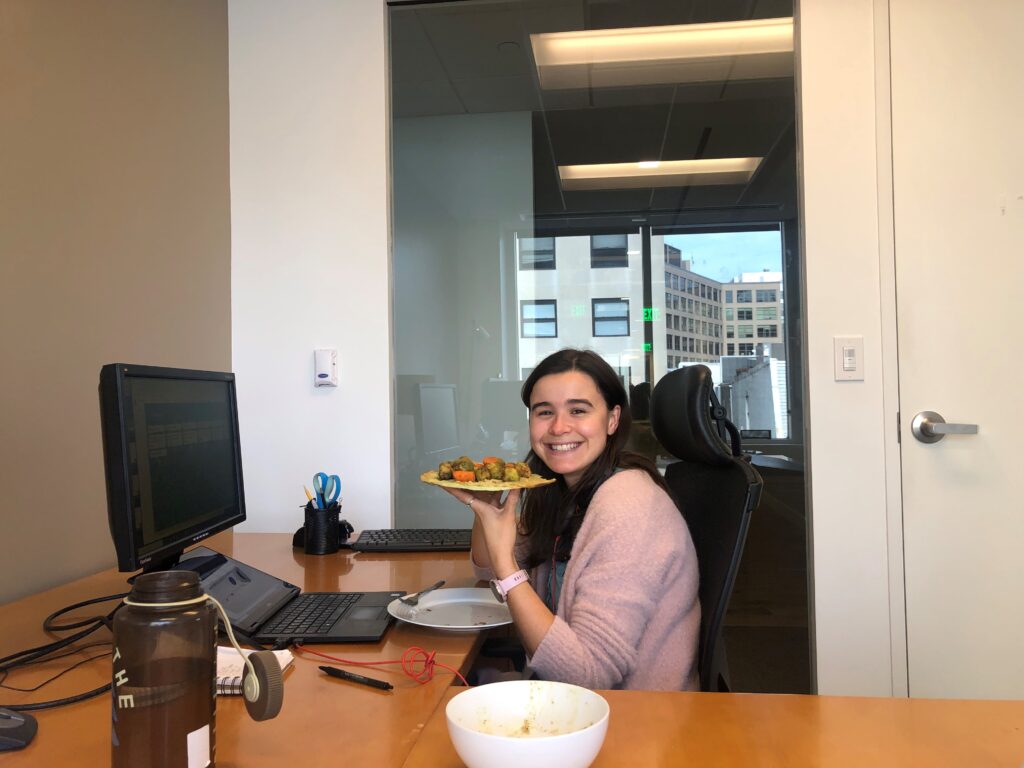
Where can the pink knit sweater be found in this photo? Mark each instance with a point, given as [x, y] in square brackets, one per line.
[628, 614]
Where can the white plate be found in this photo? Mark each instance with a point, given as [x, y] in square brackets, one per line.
[456, 610]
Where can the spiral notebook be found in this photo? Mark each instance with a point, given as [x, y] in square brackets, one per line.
[230, 667]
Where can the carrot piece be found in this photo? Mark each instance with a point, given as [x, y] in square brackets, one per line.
[490, 459]
[464, 476]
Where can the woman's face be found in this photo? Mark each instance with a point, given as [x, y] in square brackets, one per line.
[569, 423]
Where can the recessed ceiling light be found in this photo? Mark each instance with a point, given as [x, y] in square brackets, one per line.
[683, 53]
[667, 173]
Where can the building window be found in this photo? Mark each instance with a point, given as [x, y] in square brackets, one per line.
[731, 349]
[767, 331]
[766, 294]
[538, 319]
[728, 297]
[608, 251]
[767, 313]
[611, 317]
[743, 297]
[744, 332]
[536, 253]
[746, 349]
[744, 314]
[729, 313]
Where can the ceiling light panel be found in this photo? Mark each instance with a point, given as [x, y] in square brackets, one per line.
[685, 53]
[671, 173]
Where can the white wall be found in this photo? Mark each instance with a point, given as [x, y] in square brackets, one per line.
[848, 434]
[309, 233]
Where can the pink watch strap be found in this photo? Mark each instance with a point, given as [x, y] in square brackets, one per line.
[506, 585]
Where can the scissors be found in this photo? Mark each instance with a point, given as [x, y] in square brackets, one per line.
[327, 488]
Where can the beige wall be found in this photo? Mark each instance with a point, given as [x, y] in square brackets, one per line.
[114, 246]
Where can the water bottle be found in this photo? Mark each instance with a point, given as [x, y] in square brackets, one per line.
[164, 676]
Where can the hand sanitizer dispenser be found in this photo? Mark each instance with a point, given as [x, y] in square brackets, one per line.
[325, 367]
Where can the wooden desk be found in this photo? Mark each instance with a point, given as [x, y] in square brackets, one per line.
[723, 729]
[323, 722]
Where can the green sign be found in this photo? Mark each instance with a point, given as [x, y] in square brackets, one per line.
[651, 314]
[647, 346]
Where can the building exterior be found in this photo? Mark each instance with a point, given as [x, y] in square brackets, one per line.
[752, 311]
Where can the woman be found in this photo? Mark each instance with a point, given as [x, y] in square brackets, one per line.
[611, 596]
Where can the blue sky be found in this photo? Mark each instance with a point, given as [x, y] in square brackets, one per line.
[722, 256]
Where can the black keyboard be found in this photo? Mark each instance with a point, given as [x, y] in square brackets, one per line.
[413, 540]
[310, 614]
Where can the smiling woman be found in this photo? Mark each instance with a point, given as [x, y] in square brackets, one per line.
[593, 607]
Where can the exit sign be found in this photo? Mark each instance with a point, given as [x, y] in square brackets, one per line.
[651, 314]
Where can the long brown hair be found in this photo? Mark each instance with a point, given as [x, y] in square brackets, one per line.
[555, 512]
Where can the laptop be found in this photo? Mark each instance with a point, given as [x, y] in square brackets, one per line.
[269, 610]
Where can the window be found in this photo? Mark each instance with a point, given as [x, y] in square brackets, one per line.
[731, 349]
[729, 313]
[743, 297]
[536, 253]
[611, 317]
[538, 319]
[746, 349]
[745, 332]
[767, 331]
[728, 297]
[675, 302]
[767, 313]
[608, 251]
[744, 314]
[766, 294]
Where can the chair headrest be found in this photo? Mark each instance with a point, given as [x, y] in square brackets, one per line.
[684, 412]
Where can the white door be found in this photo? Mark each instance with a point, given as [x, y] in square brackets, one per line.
[958, 174]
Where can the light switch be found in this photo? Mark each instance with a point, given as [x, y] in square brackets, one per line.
[325, 367]
[849, 360]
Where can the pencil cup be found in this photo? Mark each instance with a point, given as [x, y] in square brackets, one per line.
[323, 529]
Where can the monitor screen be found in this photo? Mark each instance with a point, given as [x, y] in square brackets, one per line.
[173, 460]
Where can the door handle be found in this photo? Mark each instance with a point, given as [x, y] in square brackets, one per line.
[930, 427]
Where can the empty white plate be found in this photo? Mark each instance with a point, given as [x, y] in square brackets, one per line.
[457, 610]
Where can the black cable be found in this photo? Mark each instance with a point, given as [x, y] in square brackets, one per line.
[54, 677]
[38, 653]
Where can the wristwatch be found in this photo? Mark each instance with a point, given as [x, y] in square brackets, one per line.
[506, 585]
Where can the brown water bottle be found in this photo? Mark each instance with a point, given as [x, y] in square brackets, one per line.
[164, 678]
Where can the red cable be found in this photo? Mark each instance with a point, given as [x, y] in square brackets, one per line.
[410, 657]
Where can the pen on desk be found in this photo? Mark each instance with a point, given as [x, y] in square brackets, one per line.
[344, 674]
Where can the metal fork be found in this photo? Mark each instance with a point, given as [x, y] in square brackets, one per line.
[414, 598]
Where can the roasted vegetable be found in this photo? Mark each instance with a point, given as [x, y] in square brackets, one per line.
[510, 474]
[523, 469]
[444, 471]
[464, 463]
[495, 469]
[482, 473]
[464, 475]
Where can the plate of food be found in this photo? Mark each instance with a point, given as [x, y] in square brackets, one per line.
[490, 474]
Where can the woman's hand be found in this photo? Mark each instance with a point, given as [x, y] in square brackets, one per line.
[496, 523]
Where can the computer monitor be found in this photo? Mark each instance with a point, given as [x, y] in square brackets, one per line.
[173, 460]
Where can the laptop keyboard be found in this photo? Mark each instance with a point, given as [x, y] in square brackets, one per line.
[310, 614]
[413, 540]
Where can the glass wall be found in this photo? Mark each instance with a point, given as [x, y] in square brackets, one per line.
[618, 175]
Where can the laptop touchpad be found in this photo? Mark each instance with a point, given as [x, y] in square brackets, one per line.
[369, 613]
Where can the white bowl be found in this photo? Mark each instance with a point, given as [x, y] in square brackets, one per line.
[534, 723]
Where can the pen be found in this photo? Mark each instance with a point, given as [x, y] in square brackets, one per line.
[344, 674]
[308, 494]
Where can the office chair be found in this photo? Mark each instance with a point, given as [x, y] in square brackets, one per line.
[716, 488]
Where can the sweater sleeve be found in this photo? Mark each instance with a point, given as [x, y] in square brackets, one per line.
[627, 549]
